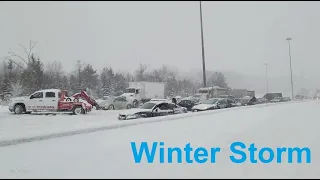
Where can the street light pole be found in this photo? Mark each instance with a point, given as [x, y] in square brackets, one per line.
[266, 64]
[203, 59]
[289, 39]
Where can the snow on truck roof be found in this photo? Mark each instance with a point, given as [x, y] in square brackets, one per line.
[54, 90]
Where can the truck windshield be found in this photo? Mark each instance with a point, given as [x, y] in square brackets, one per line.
[130, 90]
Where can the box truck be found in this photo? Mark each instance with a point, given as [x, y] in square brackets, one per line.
[142, 91]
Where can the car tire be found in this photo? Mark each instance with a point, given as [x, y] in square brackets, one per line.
[111, 107]
[135, 103]
[78, 110]
[19, 109]
[129, 106]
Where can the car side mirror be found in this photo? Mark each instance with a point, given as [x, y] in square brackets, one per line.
[31, 97]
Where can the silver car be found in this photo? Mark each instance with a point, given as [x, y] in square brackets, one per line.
[119, 102]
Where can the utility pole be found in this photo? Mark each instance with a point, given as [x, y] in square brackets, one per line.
[203, 59]
[289, 39]
[266, 64]
[79, 76]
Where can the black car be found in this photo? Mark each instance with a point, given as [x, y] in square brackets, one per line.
[187, 103]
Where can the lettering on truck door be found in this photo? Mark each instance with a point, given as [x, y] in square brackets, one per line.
[50, 101]
[35, 101]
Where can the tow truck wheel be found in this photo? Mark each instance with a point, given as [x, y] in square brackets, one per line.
[111, 107]
[18, 109]
[78, 110]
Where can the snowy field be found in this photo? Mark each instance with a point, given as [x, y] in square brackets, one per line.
[107, 152]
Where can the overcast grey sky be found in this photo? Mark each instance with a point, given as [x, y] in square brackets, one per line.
[239, 36]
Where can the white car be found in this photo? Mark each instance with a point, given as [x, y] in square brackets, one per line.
[152, 109]
[120, 102]
[215, 103]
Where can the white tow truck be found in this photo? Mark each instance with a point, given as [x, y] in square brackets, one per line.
[48, 101]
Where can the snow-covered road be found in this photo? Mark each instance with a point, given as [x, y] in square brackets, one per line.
[108, 154]
[20, 128]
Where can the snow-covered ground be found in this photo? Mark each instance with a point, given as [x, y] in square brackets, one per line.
[17, 128]
[107, 154]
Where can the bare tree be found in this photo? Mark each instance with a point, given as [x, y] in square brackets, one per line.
[28, 53]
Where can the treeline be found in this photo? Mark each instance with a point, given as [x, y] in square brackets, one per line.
[24, 74]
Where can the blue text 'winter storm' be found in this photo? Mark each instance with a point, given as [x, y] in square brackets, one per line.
[157, 152]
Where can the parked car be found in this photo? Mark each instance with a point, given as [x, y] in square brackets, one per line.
[187, 103]
[277, 99]
[215, 103]
[245, 100]
[262, 100]
[248, 100]
[233, 103]
[152, 109]
[287, 99]
[119, 102]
